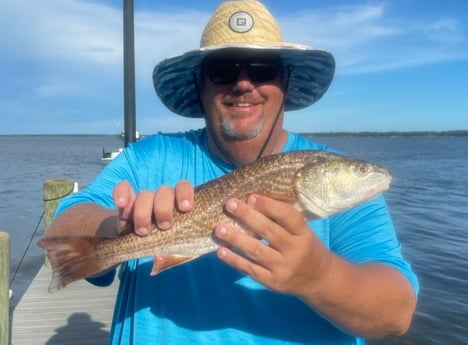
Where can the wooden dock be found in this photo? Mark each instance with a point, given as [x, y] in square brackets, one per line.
[80, 314]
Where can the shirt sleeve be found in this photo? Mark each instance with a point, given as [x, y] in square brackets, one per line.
[366, 234]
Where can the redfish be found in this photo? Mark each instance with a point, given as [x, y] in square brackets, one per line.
[318, 183]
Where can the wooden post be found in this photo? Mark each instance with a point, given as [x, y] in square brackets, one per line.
[4, 287]
[55, 190]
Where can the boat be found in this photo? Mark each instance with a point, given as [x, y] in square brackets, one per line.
[107, 156]
[110, 155]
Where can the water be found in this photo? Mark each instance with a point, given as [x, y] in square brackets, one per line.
[25, 162]
[428, 199]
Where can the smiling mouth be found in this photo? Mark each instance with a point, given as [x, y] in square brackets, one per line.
[242, 102]
[242, 105]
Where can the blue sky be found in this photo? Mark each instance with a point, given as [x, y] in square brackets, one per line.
[401, 64]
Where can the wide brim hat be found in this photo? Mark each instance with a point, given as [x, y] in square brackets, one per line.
[244, 24]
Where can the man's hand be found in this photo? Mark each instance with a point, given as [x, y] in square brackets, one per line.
[138, 212]
[292, 260]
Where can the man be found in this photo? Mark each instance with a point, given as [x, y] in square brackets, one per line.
[329, 281]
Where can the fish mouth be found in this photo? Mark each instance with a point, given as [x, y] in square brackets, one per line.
[385, 183]
[378, 189]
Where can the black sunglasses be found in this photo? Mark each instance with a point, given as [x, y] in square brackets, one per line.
[223, 71]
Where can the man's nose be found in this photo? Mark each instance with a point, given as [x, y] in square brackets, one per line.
[243, 83]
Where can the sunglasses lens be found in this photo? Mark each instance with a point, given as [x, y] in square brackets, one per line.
[222, 72]
[262, 72]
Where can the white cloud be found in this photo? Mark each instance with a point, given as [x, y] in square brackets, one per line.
[63, 30]
[157, 38]
[339, 28]
[69, 49]
[57, 88]
[445, 30]
[89, 35]
[365, 39]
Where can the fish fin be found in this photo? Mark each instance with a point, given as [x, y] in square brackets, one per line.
[165, 261]
[72, 258]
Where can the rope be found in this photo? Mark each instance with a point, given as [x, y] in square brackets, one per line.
[26, 250]
[60, 196]
[34, 234]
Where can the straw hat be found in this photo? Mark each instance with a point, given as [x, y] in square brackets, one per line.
[244, 24]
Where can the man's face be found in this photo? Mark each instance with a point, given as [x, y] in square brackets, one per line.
[241, 94]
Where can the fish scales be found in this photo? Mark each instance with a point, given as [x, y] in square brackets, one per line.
[74, 258]
[273, 175]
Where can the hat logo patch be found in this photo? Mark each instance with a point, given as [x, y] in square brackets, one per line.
[241, 22]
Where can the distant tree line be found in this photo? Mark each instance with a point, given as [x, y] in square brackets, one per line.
[453, 133]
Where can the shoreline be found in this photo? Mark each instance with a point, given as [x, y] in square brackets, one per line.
[446, 133]
[451, 133]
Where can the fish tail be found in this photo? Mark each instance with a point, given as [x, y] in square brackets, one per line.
[72, 258]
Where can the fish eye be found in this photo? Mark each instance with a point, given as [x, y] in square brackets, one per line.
[361, 170]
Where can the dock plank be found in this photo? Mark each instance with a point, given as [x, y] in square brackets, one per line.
[80, 314]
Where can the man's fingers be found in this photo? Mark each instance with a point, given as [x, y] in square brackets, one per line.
[255, 222]
[143, 213]
[124, 198]
[184, 192]
[139, 212]
[163, 207]
[283, 214]
[123, 194]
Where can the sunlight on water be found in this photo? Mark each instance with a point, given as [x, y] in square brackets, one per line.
[429, 203]
[428, 199]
